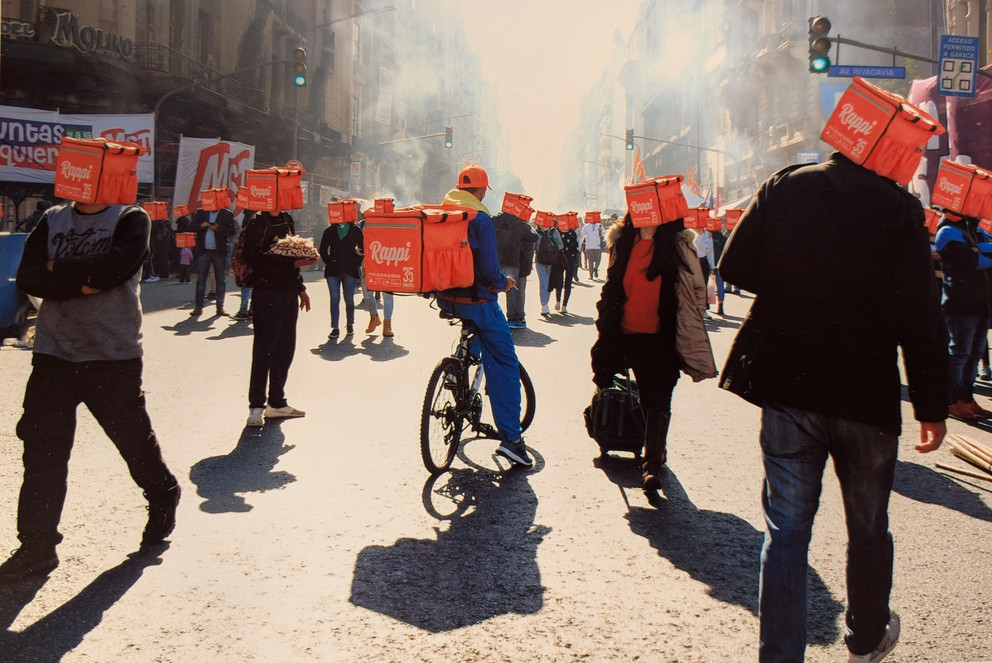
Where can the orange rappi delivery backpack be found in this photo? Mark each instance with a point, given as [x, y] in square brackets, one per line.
[418, 249]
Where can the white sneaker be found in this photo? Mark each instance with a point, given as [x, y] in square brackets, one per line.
[285, 412]
[151, 279]
[545, 310]
[557, 306]
[885, 645]
[255, 417]
[564, 311]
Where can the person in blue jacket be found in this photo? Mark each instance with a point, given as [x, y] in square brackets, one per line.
[478, 303]
[965, 255]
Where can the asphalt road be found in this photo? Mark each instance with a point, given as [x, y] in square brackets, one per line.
[324, 538]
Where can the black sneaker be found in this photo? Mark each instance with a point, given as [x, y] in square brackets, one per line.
[28, 562]
[161, 517]
[516, 452]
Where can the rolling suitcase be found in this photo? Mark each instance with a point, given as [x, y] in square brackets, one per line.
[615, 419]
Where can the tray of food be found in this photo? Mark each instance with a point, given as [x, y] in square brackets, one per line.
[294, 247]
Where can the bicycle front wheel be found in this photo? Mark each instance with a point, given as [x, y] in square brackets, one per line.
[441, 421]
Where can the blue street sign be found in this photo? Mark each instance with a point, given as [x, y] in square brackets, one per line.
[957, 66]
[850, 71]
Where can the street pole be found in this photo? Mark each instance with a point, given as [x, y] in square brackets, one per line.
[296, 121]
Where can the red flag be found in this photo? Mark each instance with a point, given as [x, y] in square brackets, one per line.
[639, 175]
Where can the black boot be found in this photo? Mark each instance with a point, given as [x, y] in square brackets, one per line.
[655, 447]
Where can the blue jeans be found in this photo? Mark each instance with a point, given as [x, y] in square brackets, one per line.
[245, 300]
[335, 285]
[795, 444]
[203, 263]
[387, 303]
[968, 335]
[544, 277]
[274, 319]
[499, 359]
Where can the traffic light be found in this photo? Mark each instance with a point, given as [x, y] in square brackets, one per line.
[300, 67]
[630, 139]
[448, 142]
[819, 45]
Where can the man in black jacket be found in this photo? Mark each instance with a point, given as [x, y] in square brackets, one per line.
[839, 260]
[515, 252]
[213, 231]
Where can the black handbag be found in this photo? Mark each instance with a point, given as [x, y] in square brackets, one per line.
[615, 419]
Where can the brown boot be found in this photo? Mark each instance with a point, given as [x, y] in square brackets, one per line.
[387, 328]
[374, 322]
[655, 448]
[719, 308]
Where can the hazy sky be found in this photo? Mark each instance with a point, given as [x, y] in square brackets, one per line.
[541, 57]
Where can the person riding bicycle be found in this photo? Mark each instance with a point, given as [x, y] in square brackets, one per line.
[478, 304]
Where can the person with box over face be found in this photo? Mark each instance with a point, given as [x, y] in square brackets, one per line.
[84, 259]
[477, 303]
[651, 311]
[962, 192]
[213, 227]
[838, 258]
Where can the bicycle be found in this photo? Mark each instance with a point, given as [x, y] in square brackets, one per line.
[454, 402]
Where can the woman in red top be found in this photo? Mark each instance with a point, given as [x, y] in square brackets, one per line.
[651, 321]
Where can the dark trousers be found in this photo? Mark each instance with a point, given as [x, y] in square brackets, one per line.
[203, 263]
[111, 390]
[275, 313]
[654, 365]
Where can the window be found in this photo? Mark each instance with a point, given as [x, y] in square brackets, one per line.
[356, 42]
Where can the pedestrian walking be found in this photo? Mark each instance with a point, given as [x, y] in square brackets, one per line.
[341, 250]
[477, 303]
[212, 230]
[515, 251]
[719, 242]
[592, 237]
[965, 257]
[278, 286]
[549, 263]
[650, 320]
[185, 260]
[87, 350]
[838, 259]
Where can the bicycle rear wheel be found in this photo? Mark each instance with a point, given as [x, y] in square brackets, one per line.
[441, 422]
[528, 400]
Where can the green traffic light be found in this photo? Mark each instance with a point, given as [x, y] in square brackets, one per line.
[819, 64]
[299, 80]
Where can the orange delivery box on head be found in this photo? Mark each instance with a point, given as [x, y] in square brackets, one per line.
[96, 170]
[568, 221]
[346, 211]
[212, 200]
[963, 189]
[273, 190]
[158, 210]
[515, 203]
[879, 130]
[544, 219]
[593, 217]
[656, 201]
[382, 206]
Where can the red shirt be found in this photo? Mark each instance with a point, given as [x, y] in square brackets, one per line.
[640, 313]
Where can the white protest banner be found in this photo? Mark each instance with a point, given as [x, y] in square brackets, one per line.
[210, 163]
[29, 140]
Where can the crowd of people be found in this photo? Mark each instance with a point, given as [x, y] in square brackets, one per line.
[835, 254]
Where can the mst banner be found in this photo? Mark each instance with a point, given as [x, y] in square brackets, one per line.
[29, 140]
[209, 163]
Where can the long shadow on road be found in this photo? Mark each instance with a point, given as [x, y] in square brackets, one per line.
[483, 565]
[923, 484]
[62, 630]
[249, 468]
[720, 550]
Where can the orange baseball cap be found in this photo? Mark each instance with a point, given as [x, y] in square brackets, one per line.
[473, 177]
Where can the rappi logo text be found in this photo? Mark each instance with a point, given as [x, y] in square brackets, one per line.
[394, 255]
